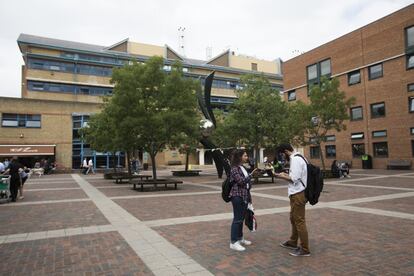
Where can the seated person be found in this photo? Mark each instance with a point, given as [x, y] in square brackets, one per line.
[340, 170]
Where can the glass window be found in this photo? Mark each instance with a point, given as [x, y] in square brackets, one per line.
[325, 67]
[314, 152]
[411, 104]
[377, 110]
[312, 72]
[409, 38]
[292, 95]
[375, 71]
[410, 61]
[330, 151]
[356, 113]
[21, 120]
[358, 135]
[412, 131]
[410, 87]
[379, 133]
[330, 138]
[380, 149]
[358, 150]
[254, 66]
[412, 147]
[354, 77]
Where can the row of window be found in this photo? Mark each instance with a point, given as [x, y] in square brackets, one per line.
[68, 88]
[94, 58]
[377, 110]
[21, 120]
[380, 149]
[72, 68]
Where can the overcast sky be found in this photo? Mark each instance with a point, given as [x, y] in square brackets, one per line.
[263, 28]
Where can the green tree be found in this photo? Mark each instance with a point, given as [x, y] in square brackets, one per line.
[152, 108]
[257, 118]
[327, 111]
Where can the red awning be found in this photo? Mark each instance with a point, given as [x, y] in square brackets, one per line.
[27, 150]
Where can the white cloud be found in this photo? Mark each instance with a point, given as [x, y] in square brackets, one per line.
[266, 29]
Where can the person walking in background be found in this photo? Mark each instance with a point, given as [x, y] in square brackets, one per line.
[6, 163]
[297, 179]
[84, 166]
[2, 167]
[24, 175]
[90, 167]
[240, 197]
[13, 171]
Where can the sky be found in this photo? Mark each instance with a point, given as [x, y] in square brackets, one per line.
[266, 29]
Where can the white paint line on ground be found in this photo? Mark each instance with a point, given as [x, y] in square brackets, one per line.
[55, 233]
[375, 212]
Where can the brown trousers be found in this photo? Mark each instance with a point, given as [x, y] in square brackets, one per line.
[297, 219]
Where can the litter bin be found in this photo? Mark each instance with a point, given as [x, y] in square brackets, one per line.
[366, 161]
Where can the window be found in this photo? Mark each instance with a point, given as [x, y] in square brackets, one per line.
[410, 61]
[325, 67]
[375, 71]
[412, 131]
[314, 152]
[292, 95]
[330, 138]
[410, 87]
[380, 149]
[354, 77]
[358, 150]
[254, 66]
[312, 72]
[411, 104]
[330, 151]
[409, 39]
[412, 147]
[21, 120]
[358, 135]
[379, 133]
[356, 113]
[377, 110]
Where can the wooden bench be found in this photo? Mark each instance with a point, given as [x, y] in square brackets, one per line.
[119, 179]
[399, 164]
[186, 173]
[256, 178]
[155, 183]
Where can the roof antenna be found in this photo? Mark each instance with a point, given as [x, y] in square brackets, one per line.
[181, 40]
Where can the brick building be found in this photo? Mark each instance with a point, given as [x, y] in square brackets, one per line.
[374, 64]
[62, 85]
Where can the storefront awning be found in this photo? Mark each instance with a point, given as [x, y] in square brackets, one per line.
[27, 150]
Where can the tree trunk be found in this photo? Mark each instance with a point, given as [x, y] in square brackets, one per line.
[257, 156]
[129, 164]
[321, 155]
[187, 154]
[154, 167]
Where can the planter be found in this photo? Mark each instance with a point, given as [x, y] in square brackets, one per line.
[187, 173]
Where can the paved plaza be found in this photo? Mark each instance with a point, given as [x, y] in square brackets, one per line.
[72, 224]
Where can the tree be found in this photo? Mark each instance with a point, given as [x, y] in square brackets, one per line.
[328, 109]
[257, 118]
[153, 109]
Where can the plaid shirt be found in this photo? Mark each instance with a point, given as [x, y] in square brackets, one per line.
[239, 184]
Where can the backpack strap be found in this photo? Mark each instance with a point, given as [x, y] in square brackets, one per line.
[306, 164]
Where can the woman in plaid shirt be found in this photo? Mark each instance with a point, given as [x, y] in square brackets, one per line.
[240, 197]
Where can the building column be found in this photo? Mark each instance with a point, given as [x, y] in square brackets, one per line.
[201, 156]
[261, 150]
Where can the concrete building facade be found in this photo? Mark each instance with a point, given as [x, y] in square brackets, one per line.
[63, 83]
[374, 64]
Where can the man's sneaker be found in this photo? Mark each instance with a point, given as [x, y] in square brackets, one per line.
[237, 246]
[300, 253]
[245, 242]
[287, 245]
[348, 176]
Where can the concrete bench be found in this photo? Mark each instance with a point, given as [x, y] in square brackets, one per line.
[399, 164]
[119, 179]
[155, 183]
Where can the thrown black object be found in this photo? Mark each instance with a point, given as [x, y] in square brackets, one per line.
[204, 101]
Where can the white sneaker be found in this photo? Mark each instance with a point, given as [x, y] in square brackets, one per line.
[348, 176]
[245, 242]
[237, 246]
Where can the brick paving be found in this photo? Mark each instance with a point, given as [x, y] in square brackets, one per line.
[368, 232]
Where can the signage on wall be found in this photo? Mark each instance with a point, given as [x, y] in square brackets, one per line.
[21, 150]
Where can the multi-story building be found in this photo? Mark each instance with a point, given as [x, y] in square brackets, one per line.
[62, 82]
[374, 64]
